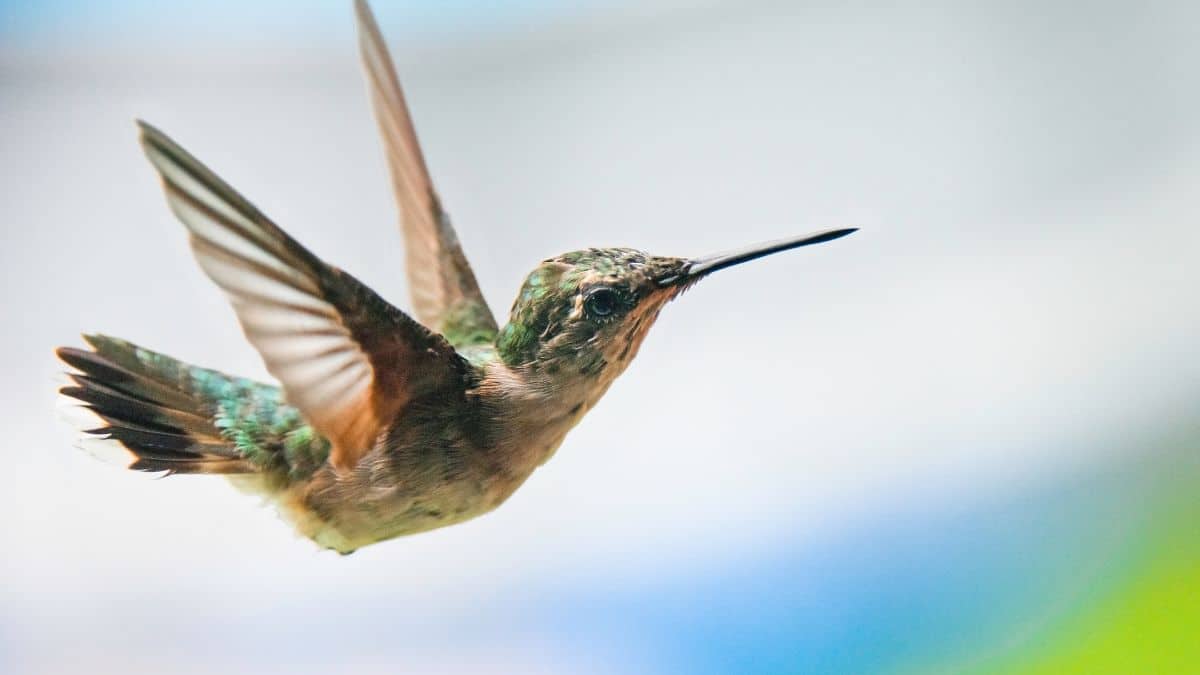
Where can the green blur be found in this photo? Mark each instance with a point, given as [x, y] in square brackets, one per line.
[1148, 620]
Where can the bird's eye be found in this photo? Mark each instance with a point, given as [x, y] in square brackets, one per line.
[601, 303]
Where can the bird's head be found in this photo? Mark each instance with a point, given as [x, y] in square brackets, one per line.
[585, 313]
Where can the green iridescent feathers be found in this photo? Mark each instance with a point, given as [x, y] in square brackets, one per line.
[555, 289]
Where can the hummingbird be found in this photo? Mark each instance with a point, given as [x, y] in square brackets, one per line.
[383, 424]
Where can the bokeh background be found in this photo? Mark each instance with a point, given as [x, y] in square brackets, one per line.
[964, 440]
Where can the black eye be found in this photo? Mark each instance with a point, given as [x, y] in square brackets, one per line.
[601, 303]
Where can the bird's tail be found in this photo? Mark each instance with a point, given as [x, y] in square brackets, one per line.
[178, 418]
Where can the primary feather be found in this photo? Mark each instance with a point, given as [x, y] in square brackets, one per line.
[347, 359]
[444, 292]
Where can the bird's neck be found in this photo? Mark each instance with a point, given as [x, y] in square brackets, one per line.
[535, 405]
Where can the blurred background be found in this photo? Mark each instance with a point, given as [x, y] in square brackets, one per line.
[964, 440]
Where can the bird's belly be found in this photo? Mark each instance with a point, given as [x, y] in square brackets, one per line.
[351, 528]
[345, 515]
[418, 482]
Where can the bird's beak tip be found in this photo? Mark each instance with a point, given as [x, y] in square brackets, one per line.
[699, 267]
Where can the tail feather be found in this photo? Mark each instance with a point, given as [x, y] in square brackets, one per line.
[119, 408]
[143, 406]
[179, 418]
[132, 382]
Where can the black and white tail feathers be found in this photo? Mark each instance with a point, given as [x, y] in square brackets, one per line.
[148, 405]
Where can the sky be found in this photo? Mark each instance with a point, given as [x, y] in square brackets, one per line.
[958, 441]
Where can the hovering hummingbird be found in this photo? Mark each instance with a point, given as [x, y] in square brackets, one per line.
[384, 425]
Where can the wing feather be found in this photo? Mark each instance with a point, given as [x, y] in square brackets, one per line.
[346, 358]
[445, 294]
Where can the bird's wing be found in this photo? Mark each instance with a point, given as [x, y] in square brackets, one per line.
[444, 292]
[348, 360]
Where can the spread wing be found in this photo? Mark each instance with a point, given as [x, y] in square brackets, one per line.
[444, 292]
[348, 360]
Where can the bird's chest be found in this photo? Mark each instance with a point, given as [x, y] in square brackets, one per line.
[425, 473]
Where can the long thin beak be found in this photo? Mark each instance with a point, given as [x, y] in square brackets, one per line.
[700, 267]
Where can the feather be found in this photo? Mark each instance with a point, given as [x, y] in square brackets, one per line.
[445, 294]
[347, 359]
